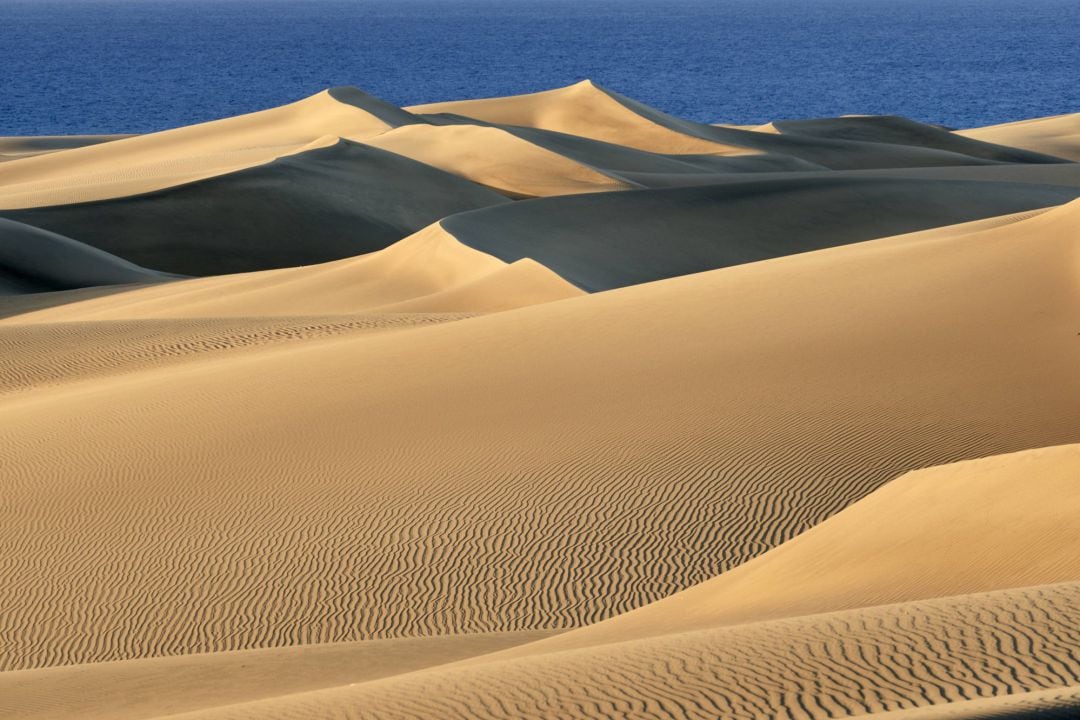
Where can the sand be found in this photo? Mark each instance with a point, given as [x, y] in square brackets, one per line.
[541, 406]
[1058, 135]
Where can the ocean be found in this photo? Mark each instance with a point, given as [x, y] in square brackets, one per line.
[96, 66]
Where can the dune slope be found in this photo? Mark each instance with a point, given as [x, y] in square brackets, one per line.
[139, 689]
[154, 161]
[1001, 522]
[666, 233]
[427, 272]
[33, 260]
[920, 654]
[1058, 135]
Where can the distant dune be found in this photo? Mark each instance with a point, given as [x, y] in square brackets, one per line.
[542, 406]
[1059, 135]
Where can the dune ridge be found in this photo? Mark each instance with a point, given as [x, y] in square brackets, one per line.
[1058, 135]
[198, 151]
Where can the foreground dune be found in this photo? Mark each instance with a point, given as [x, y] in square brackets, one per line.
[136, 689]
[1002, 522]
[541, 406]
[933, 652]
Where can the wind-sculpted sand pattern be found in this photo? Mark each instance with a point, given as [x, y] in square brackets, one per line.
[38, 355]
[313, 412]
[811, 668]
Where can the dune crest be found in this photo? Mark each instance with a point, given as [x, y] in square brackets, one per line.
[143, 163]
[494, 158]
[1058, 135]
[582, 109]
[429, 271]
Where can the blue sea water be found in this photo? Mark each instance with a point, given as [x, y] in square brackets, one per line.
[87, 66]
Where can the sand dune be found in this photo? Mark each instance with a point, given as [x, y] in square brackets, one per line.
[823, 666]
[1060, 703]
[494, 158]
[590, 111]
[901, 131]
[14, 148]
[1058, 135]
[138, 689]
[323, 204]
[144, 163]
[428, 272]
[758, 421]
[584, 109]
[34, 260]
[666, 233]
[1001, 522]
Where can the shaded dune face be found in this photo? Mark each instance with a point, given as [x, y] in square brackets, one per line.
[36, 260]
[311, 207]
[666, 233]
[551, 405]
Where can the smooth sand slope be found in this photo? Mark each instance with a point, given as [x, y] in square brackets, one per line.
[538, 468]
[584, 109]
[323, 204]
[901, 131]
[495, 158]
[33, 260]
[679, 231]
[137, 689]
[1058, 135]
[150, 162]
[14, 147]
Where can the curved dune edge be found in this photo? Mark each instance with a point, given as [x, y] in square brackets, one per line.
[427, 272]
[1000, 522]
[603, 241]
[138, 689]
[316, 206]
[586, 110]
[920, 527]
[1057, 135]
[143, 163]
[821, 667]
[34, 260]
[539, 444]
[931, 650]
[138, 180]
[495, 158]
